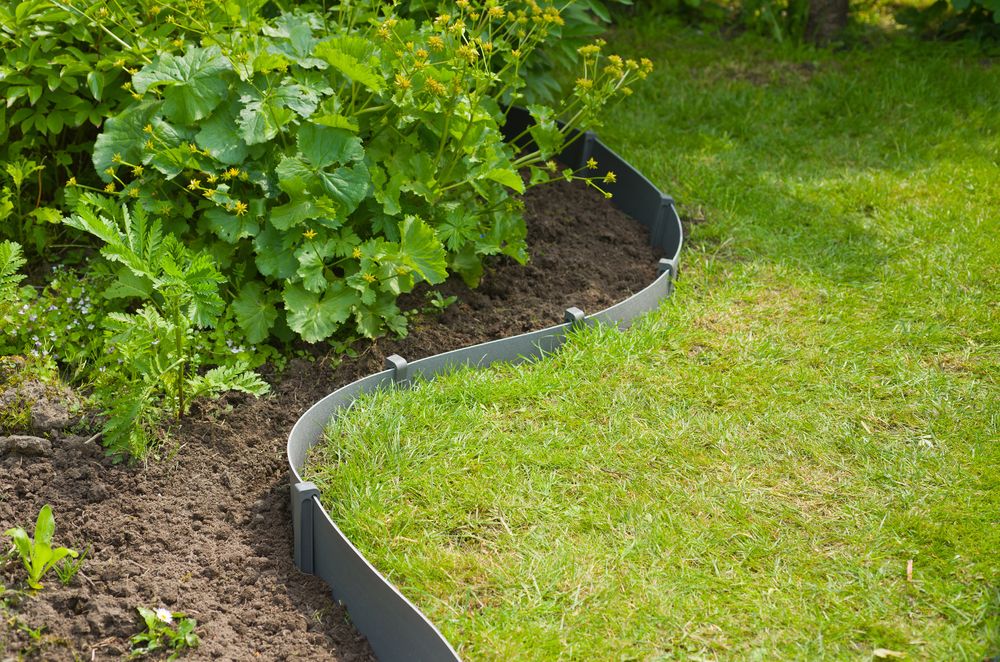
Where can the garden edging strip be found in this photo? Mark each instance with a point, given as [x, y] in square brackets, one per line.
[395, 628]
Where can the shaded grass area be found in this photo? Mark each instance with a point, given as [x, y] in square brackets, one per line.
[746, 473]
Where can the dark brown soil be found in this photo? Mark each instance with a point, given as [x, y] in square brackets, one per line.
[206, 530]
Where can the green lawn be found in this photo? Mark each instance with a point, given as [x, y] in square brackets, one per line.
[745, 474]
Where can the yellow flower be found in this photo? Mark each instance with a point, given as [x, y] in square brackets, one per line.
[584, 83]
[442, 20]
[110, 172]
[71, 181]
[435, 87]
[212, 179]
[110, 188]
[402, 82]
[117, 158]
[132, 71]
[610, 178]
[591, 164]
[309, 234]
[551, 165]
[356, 253]
[244, 176]
[149, 145]
[137, 170]
[436, 43]
[194, 184]
[148, 128]
[134, 192]
[468, 52]
[241, 208]
[607, 194]
[193, 148]
[233, 172]
[208, 193]
[496, 12]
[178, 43]
[368, 278]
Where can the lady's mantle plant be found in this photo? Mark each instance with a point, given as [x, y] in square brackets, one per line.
[330, 162]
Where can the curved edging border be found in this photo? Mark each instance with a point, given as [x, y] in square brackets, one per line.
[395, 628]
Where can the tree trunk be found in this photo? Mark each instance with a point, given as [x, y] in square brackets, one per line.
[826, 19]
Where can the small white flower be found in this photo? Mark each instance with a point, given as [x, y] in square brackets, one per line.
[165, 615]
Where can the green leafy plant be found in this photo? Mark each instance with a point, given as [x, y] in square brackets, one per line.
[332, 163]
[165, 631]
[11, 260]
[437, 302]
[68, 568]
[37, 553]
[156, 365]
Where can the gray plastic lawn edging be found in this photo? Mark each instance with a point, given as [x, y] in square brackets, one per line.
[395, 628]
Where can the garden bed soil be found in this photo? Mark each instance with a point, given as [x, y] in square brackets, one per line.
[206, 530]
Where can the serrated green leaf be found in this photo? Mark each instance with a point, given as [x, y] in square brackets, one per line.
[230, 227]
[336, 121]
[173, 161]
[507, 177]
[468, 265]
[274, 256]
[420, 247]
[129, 285]
[47, 215]
[303, 100]
[323, 146]
[221, 136]
[316, 317]
[312, 265]
[261, 119]
[294, 175]
[348, 186]
[349, 65]
[255, 311]
[121, 135]
[194, 83]
[287, 216]
[293, 38]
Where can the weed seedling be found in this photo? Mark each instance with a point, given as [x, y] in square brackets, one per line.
[37, 554]
[67, 569]
[165, 631]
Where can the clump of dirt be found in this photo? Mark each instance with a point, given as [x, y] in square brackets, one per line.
[30, 405]
[206, 529]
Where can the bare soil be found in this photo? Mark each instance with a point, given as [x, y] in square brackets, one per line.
[206, 529]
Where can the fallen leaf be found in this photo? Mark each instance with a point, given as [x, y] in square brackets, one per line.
[884, 653]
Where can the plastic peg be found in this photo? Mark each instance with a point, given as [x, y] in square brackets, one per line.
[574, 317]
[400, 368]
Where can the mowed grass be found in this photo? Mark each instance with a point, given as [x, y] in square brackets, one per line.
[747, 472]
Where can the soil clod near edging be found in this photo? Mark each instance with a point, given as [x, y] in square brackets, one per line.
[207, 530]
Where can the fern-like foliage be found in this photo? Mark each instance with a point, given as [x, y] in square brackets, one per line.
[157, 367]
[11, 260]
